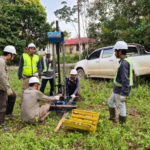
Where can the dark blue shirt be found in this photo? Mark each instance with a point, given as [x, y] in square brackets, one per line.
[123, 78]
[73, 86]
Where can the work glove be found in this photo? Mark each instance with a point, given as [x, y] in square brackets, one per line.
[123, 98]
[56, 97]
[36, 74]
[73, 96]
[56, 75]
[9, 92]
[55, 101]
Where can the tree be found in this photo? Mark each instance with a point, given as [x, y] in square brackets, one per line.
[66, 14]
[9, 28]
[23, 22]
[119, 20]
[67, 34]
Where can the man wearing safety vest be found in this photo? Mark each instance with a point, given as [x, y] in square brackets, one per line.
[122, 83]
[48, 71]
[29, 66]
[7, 95]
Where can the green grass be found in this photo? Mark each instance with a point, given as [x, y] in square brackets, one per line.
[109, 136]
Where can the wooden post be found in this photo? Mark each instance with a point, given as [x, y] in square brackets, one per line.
[60, 122]
[63, 117]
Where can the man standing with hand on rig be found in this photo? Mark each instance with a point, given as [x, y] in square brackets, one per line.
[48, 71]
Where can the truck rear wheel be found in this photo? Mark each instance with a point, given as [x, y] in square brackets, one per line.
[81, 74]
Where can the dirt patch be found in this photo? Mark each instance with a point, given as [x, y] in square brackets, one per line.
[132, 111]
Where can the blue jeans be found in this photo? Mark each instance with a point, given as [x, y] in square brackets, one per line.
[114, 101]
[44, 82]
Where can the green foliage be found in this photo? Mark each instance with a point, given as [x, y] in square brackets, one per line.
[23, 22]
[66, 13]
[67, 34]
[84, 53]
[110, 21]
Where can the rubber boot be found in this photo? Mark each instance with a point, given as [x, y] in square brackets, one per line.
[112, 114]
[2, 125]
[10, 107]
[122, 119]
[2, 116]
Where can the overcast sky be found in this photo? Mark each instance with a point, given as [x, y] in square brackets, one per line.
[53, 5]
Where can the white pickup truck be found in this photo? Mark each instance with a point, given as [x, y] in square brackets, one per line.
[102, 62]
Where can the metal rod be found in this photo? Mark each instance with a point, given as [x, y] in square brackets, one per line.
[54, 70]
[64, 71]
[58, 61]
[48, 50]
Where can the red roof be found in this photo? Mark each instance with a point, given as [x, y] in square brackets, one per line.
[76, 41]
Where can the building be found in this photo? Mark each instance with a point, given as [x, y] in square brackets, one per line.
[72, 45]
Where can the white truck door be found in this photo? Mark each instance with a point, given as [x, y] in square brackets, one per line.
[107, 62]
[93, 63]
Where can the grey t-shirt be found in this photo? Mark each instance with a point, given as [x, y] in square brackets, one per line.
[30, 104]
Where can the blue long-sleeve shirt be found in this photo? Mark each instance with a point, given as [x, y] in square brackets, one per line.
[123, 78]
[73, 87]
[21, 68]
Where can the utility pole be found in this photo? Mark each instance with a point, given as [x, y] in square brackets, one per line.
[79, 30]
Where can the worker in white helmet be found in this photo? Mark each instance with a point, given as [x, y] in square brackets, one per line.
[48, 71]
[7, 95]
[122, 83]
[29, 66]
[73, 84]
[30, 108]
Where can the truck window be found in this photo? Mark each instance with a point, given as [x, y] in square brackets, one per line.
[94, 55]
[132, 50]
[108, 53]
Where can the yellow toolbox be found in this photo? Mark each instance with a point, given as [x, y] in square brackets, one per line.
[84, 120]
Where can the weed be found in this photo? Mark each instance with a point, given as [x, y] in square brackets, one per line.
[94, 97]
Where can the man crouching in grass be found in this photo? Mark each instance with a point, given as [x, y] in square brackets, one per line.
[30, 109]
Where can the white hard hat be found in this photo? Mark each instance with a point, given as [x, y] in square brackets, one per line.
[10, 49]
[31, 45]
[34, 80]
[48, 50]
[73, 71]
[121, 45]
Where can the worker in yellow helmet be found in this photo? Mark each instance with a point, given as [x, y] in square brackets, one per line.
[29, 66]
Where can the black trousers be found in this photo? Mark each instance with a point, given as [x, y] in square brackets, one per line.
[44, 82]
[6, 104]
